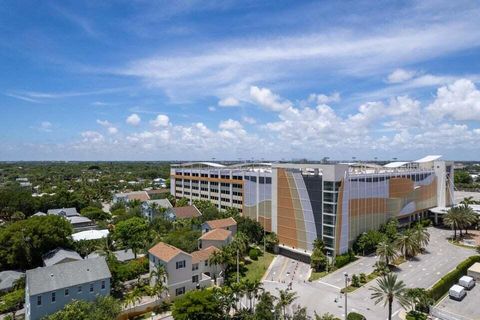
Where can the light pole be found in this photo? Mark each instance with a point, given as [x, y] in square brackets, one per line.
[328, 261]
[346, 285]
[238, 272]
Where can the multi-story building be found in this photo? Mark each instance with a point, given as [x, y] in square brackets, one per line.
[49, 289]
[333, 202]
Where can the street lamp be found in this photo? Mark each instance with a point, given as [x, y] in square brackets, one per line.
[346, 285]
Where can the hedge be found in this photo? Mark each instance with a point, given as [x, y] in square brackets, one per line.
[355, 316]
[443, 285]
[344, 259]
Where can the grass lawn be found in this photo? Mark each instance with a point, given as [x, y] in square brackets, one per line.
[351, 288]
[256, 269]
[317, 275]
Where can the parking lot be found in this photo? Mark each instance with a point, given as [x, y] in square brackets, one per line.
[467, 308]
[324, 295]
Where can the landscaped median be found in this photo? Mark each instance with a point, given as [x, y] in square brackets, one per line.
[257, 268]
[441, 287]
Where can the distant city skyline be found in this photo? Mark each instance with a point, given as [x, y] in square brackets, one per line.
[197, 80]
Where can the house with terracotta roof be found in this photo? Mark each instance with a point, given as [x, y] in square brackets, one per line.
[183, 212]
[184, 271]
[227, 224]
[218, 238]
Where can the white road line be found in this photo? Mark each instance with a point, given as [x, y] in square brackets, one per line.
[328, 284]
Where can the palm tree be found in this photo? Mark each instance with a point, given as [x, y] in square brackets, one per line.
[469, 217]
[389, 289]
[285, 299]
[453, 219]
[407, 244]
[421, 235]
[132, 298]
[251, 289]
[386, 251]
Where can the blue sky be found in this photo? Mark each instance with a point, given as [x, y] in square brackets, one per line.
[164, 80]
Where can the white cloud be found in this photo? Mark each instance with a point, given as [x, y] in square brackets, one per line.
[230, 125]
[112, 130]
[400, 75]
[109, 126]
[267, 99]
[92, 137]
[229, 102]
[460, 100]
[249, 120]
[324, 99]
[46, 126]
[133, 119]
[160, 121]
[212, 108]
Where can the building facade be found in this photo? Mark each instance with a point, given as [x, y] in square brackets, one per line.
[332, 202]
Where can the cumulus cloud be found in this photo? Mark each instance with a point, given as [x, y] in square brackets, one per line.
[230, 125]
[267, 99]
[92, 137]
[324, 99]
[160, 121]
[249, 120]
[133, 119]
[459, 100]
[229, 102]
[46, 126]
[400, 75]
[212, 108]
[107, 125]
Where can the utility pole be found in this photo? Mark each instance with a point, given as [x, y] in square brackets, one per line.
[346, 285]
[238, 272]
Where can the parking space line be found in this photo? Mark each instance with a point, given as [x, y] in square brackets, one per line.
[330, 285]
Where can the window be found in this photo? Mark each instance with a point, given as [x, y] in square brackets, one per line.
[66, 292]
[194, 266]
[206, 263]
[39, 300]
[79, 289]
[180, 264]
[91, 287]
[195, 279]
[53, 297]
[179, 291]
[103, 284]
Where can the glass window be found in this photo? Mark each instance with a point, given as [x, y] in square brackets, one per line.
[206, 263]
[66, 292]
[328, 219]
[79, 289]
[194, 266]
[180, 264]
[91, 287]
[39, 300]
[195, 279]
[179, 291]
[103, 284]
[53, 297]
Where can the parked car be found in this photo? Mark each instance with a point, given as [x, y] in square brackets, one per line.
[466, 282]
[457, 292]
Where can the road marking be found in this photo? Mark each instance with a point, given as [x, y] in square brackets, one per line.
[328, 284]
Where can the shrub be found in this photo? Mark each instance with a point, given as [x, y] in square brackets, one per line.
[416, 315]
[355, 281]
[253, 254]
[363, 278]
[344, 259]
[355, 316]
[443, 285]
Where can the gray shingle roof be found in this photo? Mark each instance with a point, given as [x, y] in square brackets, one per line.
[66, 275]
[67, 212]
[163, 203]
[57, 255]
[126, 255]
[7, 279]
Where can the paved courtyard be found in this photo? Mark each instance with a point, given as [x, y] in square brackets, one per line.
[324, 295]
[461, 310]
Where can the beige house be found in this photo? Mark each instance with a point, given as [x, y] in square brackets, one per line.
[217, 238]
[227, 224]
[184, 271]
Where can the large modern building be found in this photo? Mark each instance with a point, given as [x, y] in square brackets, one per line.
[333, 202]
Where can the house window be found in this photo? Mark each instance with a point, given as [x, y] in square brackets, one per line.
[194, 266]
[53, 297]
[91, 287]
[79, 289]
[195, 279]
[66, 292]
[206, 263]
[180, 264]
[39, 300]
[103, 284]
[179, 291]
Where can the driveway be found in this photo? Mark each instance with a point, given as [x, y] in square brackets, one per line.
[423, 271]
[465, 309]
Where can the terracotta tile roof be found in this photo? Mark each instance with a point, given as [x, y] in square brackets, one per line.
[138, 195]
[164, 252]
[216, 234]
[222, 223]
[204, 254]
[186, 212]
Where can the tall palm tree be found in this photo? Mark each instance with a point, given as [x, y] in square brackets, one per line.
[407, 244]
[386, 251]
[421, 235]
[453, 219]
[251, 289]
[469, 217]
[389, 289]
[285, 299]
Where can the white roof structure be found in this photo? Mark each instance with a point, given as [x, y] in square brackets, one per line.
[396, 164]
[90, 235]
[206, 164]
[429, 158]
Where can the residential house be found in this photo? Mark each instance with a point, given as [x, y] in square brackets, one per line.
[60, 255]
[218, 238]
[183, 270]
[183, 212]
[8, 279]
[78, 222]
[49, 289]
[150, 207]
[130, 196]
[227, 224]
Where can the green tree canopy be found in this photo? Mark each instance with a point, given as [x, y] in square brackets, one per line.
[133, 233]
[103, 308]
[198, 305]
